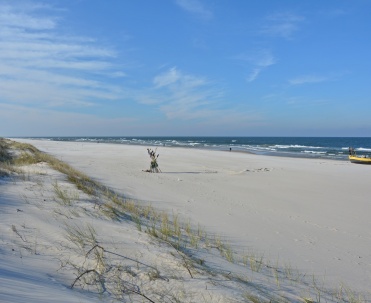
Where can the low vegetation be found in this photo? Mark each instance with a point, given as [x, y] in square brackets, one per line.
[5, 158]
[102, 269]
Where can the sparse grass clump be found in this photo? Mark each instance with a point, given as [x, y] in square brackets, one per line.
[14, 154]
[5, 158]
[82, 236]
[228, 253]
[23, 147]
[5, 155]
[26, 158]
[64, 196]
[31, 155]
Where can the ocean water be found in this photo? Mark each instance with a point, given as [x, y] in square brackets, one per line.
[308, 147]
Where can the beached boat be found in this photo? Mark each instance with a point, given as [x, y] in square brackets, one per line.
[357, 159]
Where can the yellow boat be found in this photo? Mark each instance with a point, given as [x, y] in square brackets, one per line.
[356, 159]
[359, 160]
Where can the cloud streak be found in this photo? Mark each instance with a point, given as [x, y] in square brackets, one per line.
[41, 66]
[281, 25]
[18, 18]
[309, 79]
[258, 62]
[193, 99]
[196, 8]
[182, 95]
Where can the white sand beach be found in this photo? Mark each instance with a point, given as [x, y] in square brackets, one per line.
[311, 214]
[314, 214]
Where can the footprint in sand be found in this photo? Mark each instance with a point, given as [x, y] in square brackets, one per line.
[258, 170]
[255, 170]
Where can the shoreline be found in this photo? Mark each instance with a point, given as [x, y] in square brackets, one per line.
[294, 209]
[221, 147]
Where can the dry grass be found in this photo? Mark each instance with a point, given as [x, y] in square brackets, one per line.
[82, 236]
[5, 155]
[64, 196]
[5, 158]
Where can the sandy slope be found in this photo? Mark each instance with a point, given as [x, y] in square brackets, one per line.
[39, 262]
[312, 214]
[31, 241]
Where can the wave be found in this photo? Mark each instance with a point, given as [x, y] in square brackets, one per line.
[363, 149]
[314, 152]
[297, 146]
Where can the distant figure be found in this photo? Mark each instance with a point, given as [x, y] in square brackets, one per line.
[230, 149]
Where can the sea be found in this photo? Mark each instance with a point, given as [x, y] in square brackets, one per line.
[336, 148]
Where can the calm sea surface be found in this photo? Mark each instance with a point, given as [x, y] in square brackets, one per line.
[308, 147]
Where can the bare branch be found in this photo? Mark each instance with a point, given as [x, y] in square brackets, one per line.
[84, 273]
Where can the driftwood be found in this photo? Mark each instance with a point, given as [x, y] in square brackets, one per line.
[154, 165]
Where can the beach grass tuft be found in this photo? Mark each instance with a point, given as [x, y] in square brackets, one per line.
[5, 158]
[81, 236]
[64, 196]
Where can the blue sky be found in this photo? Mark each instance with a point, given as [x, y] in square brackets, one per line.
[185, 67]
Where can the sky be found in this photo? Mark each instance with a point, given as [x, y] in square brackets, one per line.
[185, 68]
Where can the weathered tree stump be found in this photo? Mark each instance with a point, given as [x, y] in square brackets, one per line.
[154, 165]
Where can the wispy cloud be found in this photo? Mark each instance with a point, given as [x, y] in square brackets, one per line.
[181, 96]
[307, 79]
[258, 61]
[313, 78]
[20, 18]
[334, 13]
[167, 78]
[195, 7]
[282, 25]
[41, 66]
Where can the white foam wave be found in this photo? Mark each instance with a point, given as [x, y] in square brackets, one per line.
[296, 146]
[312, 152]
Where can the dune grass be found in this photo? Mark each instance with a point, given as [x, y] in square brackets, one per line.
[5, 155]
[5, 158]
